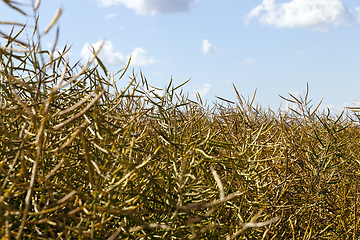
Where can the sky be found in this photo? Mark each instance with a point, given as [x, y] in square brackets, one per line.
[274, 47]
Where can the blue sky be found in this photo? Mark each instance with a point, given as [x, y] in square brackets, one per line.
[273, 46]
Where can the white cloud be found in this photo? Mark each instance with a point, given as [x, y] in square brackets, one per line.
[107, 53]
[153, 7]
[323, 108]
[358, 11]
[295, 93]
[207, 47]
[66, 55]
[153, 92]
[335, 109]
[57, 52]
[246, 61]
[300, 53]
[111, 15]
[109, 56]
[317, 15]
[204, 90]
[139, 57]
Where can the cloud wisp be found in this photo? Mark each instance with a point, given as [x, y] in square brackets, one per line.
[109, 56]
[317, 15]
[246, 61]
[153, 7]
[111, 15]
[300, 53]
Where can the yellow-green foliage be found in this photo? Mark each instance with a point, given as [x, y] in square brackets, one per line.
[78, 161]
